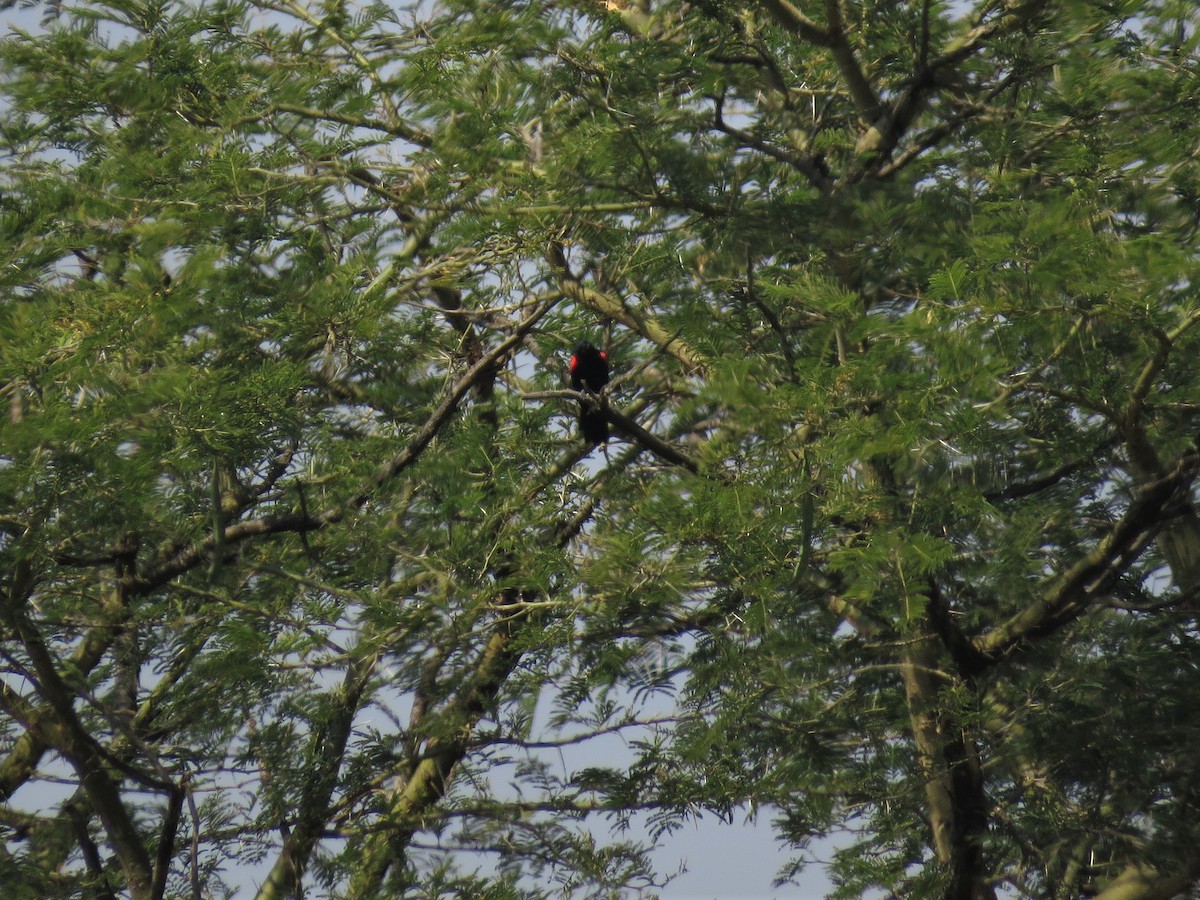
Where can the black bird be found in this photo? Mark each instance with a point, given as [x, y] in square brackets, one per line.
[589, 372]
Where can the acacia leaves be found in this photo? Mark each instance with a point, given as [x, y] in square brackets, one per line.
[305, 566]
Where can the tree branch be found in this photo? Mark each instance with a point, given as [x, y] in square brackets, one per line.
[430, 776]
[193, 555]
[652, 442]
[789, 17]
[68, 736]
[613, 308]
[328, 744]
[1141, 881]
[953, 780]
[861, 91]
[1095, 574]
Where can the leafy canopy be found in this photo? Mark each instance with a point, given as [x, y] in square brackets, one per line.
[306, 574]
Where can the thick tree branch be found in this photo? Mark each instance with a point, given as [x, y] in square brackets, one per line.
[1179, 540]
[1020, 489]
[650, 441]
[788, 16]
[1141, 881]
[68, 736]
[862, 92]
[967, 659]
[805, 164]
[429, 777]
[953, 778]
[22, 760]
[612, 308]
[1017, 15]
[1090, 578]
[328, 749]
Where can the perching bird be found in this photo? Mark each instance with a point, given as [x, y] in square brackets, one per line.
[589, 372]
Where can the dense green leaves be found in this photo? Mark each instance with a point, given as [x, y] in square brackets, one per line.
[307, 580]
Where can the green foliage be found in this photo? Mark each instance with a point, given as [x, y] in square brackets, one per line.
[304, 566]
